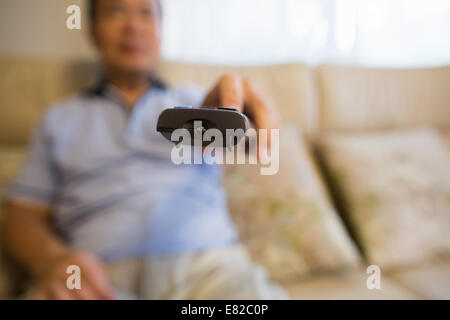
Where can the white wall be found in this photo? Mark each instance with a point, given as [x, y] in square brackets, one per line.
[37, 28]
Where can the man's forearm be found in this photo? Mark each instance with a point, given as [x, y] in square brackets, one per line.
[29, 239]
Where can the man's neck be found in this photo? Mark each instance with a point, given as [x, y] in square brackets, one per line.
[130, 86]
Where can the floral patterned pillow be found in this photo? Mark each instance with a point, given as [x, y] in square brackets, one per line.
[286, 220]
[395, 187]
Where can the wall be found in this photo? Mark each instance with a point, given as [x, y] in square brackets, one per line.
[37, 28]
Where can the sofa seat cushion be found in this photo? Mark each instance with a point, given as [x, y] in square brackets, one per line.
[429, 281]
[349, 285]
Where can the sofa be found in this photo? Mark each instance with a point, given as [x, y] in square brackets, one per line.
[335, 118]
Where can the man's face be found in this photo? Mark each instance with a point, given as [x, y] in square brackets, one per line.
[127, 34]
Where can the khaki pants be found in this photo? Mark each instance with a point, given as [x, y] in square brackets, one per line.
[222, 274]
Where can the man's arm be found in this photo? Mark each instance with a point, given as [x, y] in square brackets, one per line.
[29, 239]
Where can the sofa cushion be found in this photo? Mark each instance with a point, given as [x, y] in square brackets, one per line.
[287, 220]
[348, 285]
[428, 281]
[394, 190]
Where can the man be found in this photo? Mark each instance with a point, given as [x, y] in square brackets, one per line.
[99, 191]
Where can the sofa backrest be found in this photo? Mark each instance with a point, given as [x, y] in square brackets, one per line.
[292, 87]
[29, 86]
[327, 98]
[355, 98]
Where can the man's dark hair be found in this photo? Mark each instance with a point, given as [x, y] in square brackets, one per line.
[92, 7]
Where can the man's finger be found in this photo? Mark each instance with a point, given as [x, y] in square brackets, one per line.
[60, 292]
[231, 92]
[87, 292]
[41, 295]
[99, 283]
[260, 108]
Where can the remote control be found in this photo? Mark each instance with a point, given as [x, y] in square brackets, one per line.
[208, 117]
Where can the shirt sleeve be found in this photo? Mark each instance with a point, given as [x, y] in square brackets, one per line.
[36, 181]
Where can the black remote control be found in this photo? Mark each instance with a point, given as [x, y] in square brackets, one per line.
[208, 117]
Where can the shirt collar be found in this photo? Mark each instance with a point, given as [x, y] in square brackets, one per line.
[101, 87]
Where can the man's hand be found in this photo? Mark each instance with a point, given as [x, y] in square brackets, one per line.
[94, 282]
[29, 239]
[236, 92]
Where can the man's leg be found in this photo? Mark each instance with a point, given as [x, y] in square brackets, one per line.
[226, 273]
[125, 278]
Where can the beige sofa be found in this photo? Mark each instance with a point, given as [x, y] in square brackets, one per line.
[317, 100]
